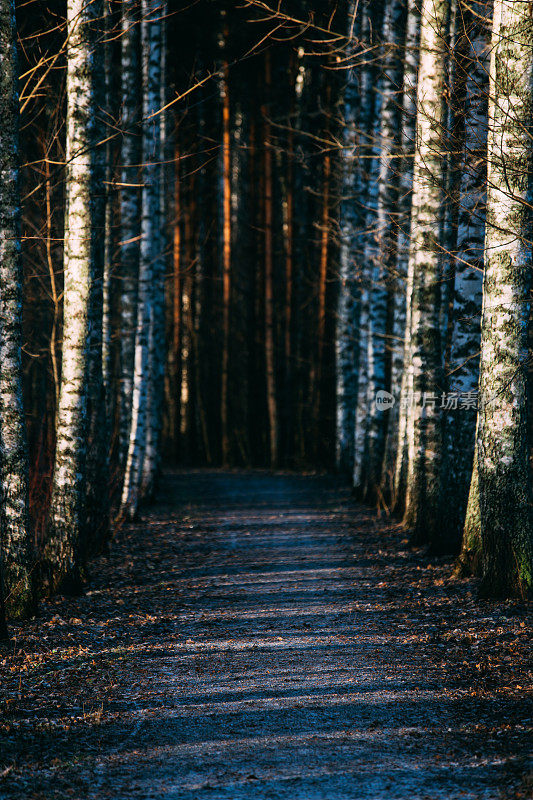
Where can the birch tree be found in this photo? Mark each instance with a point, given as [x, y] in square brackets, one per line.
[463, 366]
[156, 121]
[369, 124]
[110, 113]
[503, 446]
[3, 625]
[149, 255]
[423, 431]
[401, 384]
[384, 252]
[97, 499]
[68, 510]
[347, 351]
[15, 534]
[130, 211]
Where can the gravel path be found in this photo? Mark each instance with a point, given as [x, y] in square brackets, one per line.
[263, 637]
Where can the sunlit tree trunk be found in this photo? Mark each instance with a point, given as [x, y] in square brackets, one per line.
[175, 358]
[149, 257]
[15, 536]
[503, 446]
[384, 252]
[68, 511]
[401, 373]
[130, 212]
[463, 363]
[323, 270]
[187, 310]
[424, 428]
[226, 262]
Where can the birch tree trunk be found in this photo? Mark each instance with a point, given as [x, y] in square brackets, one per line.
[463, 365]
[15, 536]
[424, 419]
[365, 243]
[503, 447]
[110, 211]
[130, 212]
[386, 239]
[401, 374]
[156, 370]
[142, 401]
[3, 626]
[347, 351]
[68, 511]
[97, 500]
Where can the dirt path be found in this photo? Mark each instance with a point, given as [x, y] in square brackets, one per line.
[259, 636]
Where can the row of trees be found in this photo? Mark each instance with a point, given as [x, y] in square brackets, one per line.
[228, 227]
[87, 396]
[250, 376]
[434, 305]
[172, 225]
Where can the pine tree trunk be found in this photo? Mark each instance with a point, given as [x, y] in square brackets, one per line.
[226, 263]
[269, 278]
[15, 536]
[323, 264]
[424, 419]
[149, 267]
[65, 549]
[288, 239]
[175, 371]
[503, 451]
[130, 212]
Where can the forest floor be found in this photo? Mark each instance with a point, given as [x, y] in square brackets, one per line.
[262, 636]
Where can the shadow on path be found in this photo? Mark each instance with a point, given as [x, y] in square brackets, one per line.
[259, 636]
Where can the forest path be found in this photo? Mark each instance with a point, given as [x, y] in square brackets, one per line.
[260, 636]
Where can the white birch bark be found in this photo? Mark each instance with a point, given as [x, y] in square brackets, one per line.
[109, 245]
[423, 429]
[15, 536]
[503, 447]
[130, 212]
[67, 523]
[401, 373]
[463, 364]
[97, 500]
[363, 396]
[157, 333]
[365, 243]
[149, 269]
[386, 239]
[346, 349]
